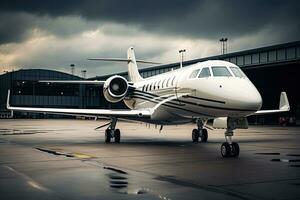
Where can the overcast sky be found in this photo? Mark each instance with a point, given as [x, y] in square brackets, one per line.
[53, 34]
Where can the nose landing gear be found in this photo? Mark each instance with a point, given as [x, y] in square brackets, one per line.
[229, 148]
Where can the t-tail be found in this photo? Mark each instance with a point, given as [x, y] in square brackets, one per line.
[133, 71]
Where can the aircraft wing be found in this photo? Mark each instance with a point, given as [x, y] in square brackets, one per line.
[284, 106]
[96, 82]
[122, 113]
[73, 81]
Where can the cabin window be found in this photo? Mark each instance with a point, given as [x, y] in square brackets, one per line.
[150, 87]
[158, 84]
[194, 73]
[172, 83]
[154, 86]
[143, 88]
[163, 83]
[237, 72]
[220, 71]
[204, 73]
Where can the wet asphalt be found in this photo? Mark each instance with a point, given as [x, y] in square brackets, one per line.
[68, 159]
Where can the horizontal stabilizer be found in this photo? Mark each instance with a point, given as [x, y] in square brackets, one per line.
[122, 60]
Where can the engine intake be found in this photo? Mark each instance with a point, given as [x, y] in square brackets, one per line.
[115, 88]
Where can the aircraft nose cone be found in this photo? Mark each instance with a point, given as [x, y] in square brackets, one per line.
[245, 96]
[253, 101]
[250, 98]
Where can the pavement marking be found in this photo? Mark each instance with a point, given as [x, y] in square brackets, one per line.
[59, 152]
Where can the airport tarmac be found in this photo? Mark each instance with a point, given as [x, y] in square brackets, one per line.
[68, 159]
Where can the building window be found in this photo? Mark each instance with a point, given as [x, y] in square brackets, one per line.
[281, 54]
[255, 58]
[291, 53]
[240, 60]
[272, 55]
[247, 59]
[263, 57]
[233, 60]
[298, 52]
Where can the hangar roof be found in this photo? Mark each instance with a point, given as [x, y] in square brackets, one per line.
[252, 58]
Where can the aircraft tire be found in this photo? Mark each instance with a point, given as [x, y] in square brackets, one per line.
[117, 136]
[225, 150]
[107, 135]
[195, 135]
[204, 135]
[235, 149]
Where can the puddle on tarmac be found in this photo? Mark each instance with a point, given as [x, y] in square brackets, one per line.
[27, 131]
[54, 152]
[125, 182]
[293, 155]
[285, 160]
[295, 184]
[116, 170]
[19, 131]
[267, 154]
[294, 165]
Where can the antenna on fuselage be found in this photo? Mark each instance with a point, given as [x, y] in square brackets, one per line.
[182, 51]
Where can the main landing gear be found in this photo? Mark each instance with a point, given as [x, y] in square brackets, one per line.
[200, 132]
[229, 148]
[112, 132]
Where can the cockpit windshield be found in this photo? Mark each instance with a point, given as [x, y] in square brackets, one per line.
[220, 71]
[204, 73]
[237, 72]
[194, 73]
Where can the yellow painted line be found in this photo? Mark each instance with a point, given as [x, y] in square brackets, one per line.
[83, 156]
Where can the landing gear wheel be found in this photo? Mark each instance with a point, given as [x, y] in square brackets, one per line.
[107, 135]
[195, 135]
[225, 150]
[235, 149]
[204, 135]
[117, 136]
[228, 150]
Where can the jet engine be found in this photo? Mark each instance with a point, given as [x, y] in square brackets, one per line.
[115, 88]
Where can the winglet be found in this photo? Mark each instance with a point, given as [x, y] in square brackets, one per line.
[284, 102]
[284, 106]
[7, 102]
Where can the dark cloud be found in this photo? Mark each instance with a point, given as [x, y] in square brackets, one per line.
[193, 18]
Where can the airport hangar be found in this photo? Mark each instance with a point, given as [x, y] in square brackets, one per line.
[272, 69]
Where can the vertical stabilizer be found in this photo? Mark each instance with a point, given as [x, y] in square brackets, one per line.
[133, 72]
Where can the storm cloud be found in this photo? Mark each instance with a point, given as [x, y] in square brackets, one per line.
[71, 30]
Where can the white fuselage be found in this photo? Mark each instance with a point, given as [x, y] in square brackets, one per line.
[196, 96]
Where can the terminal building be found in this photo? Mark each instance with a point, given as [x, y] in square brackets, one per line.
[272, 69]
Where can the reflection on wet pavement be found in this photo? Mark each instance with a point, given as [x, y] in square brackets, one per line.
[48, 159]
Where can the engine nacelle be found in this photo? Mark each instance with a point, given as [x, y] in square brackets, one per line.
[115, 88]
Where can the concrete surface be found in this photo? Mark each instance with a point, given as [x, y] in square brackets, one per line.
[68, 159]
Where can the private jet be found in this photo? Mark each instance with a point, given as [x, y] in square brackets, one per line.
[211, 90]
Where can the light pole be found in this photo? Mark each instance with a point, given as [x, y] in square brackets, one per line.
[182, 51]
[83, 73]
[72, 69]
[223, 45]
